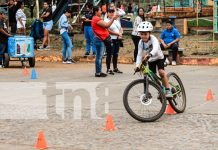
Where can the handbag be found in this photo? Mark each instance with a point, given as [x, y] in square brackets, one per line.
[107, 41]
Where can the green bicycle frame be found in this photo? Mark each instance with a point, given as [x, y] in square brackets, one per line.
[147, 72]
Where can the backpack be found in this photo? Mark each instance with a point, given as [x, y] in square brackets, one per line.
[37, 31]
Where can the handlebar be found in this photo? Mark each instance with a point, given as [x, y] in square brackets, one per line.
[139, 69]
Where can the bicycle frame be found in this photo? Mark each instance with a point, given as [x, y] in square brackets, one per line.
[153, 77]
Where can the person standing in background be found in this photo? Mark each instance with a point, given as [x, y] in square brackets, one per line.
[135, 34]
[21, 19]
[4, 36]
[89, 35]
[67, 45]
[32, 5]
[135, 9]
[129, 9]
[47, 25]
[102, 39]
[12, 16]
[116, 32]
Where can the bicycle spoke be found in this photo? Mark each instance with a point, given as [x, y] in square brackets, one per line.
[178, 91]
[144, 105]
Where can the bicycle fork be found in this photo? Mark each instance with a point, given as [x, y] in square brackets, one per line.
[146, 86]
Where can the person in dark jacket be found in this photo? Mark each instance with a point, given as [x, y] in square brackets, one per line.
[4, 36]
[89, 35]
[12, 19]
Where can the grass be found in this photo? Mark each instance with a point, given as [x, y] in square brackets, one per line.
[201, 23]
[79, 43]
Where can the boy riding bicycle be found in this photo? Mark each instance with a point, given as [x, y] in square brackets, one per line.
[149, 50]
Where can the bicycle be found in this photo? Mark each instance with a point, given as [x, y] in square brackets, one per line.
[149, 92]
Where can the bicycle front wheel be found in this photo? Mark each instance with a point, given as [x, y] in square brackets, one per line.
[178, 102]
[144, 105]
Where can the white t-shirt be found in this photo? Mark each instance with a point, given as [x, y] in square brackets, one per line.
[152, 47]
[20, 14]
[115, 27]
[137, 21]
[53, 8]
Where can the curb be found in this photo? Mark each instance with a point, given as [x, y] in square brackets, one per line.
[89, 59]
[129, 60]
[199, 61]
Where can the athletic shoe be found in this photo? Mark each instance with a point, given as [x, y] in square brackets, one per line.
[47, 48]
[100, 75]
[40, 48]
[167, 61]
[173, 63]
[64, 61]
[70, 61]
[168, 94]
[86, 54]
[117, 70]
[110, 72]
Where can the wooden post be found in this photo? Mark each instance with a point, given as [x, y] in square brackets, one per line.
[164, 8]
[185, 30]
[197, 21]
[37, 9]
[214, 21]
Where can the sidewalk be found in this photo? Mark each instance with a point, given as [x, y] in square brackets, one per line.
[129, 60]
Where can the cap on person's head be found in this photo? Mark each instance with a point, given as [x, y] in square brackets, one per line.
[170, 22]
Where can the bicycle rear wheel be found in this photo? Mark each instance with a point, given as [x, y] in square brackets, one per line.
[178, 102]
[144, 105]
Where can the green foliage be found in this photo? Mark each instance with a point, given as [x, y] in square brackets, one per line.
[169, 2]
[29, 22]
[201, 23]
[78, 43]
[27, 12]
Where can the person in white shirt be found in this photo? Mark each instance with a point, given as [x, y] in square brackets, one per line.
[135, 35]
[149, 50]
[21, 18]
[118, 11]
[116, 32]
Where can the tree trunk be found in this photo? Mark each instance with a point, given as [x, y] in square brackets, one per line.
[37, 9]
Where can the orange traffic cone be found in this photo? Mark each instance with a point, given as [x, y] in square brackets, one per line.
[169, 110]
[209, 95]
[109, 124]
[25, 72]
[41, 143]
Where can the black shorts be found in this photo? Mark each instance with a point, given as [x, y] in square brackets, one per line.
[156, 64]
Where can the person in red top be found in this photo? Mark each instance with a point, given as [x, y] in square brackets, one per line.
[102, 37]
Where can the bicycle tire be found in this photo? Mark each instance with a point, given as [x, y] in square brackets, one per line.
[132, 113]
[173, 101]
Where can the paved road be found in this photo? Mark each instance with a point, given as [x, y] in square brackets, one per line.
[28, 106]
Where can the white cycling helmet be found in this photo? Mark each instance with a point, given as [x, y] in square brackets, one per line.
[145, 26]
